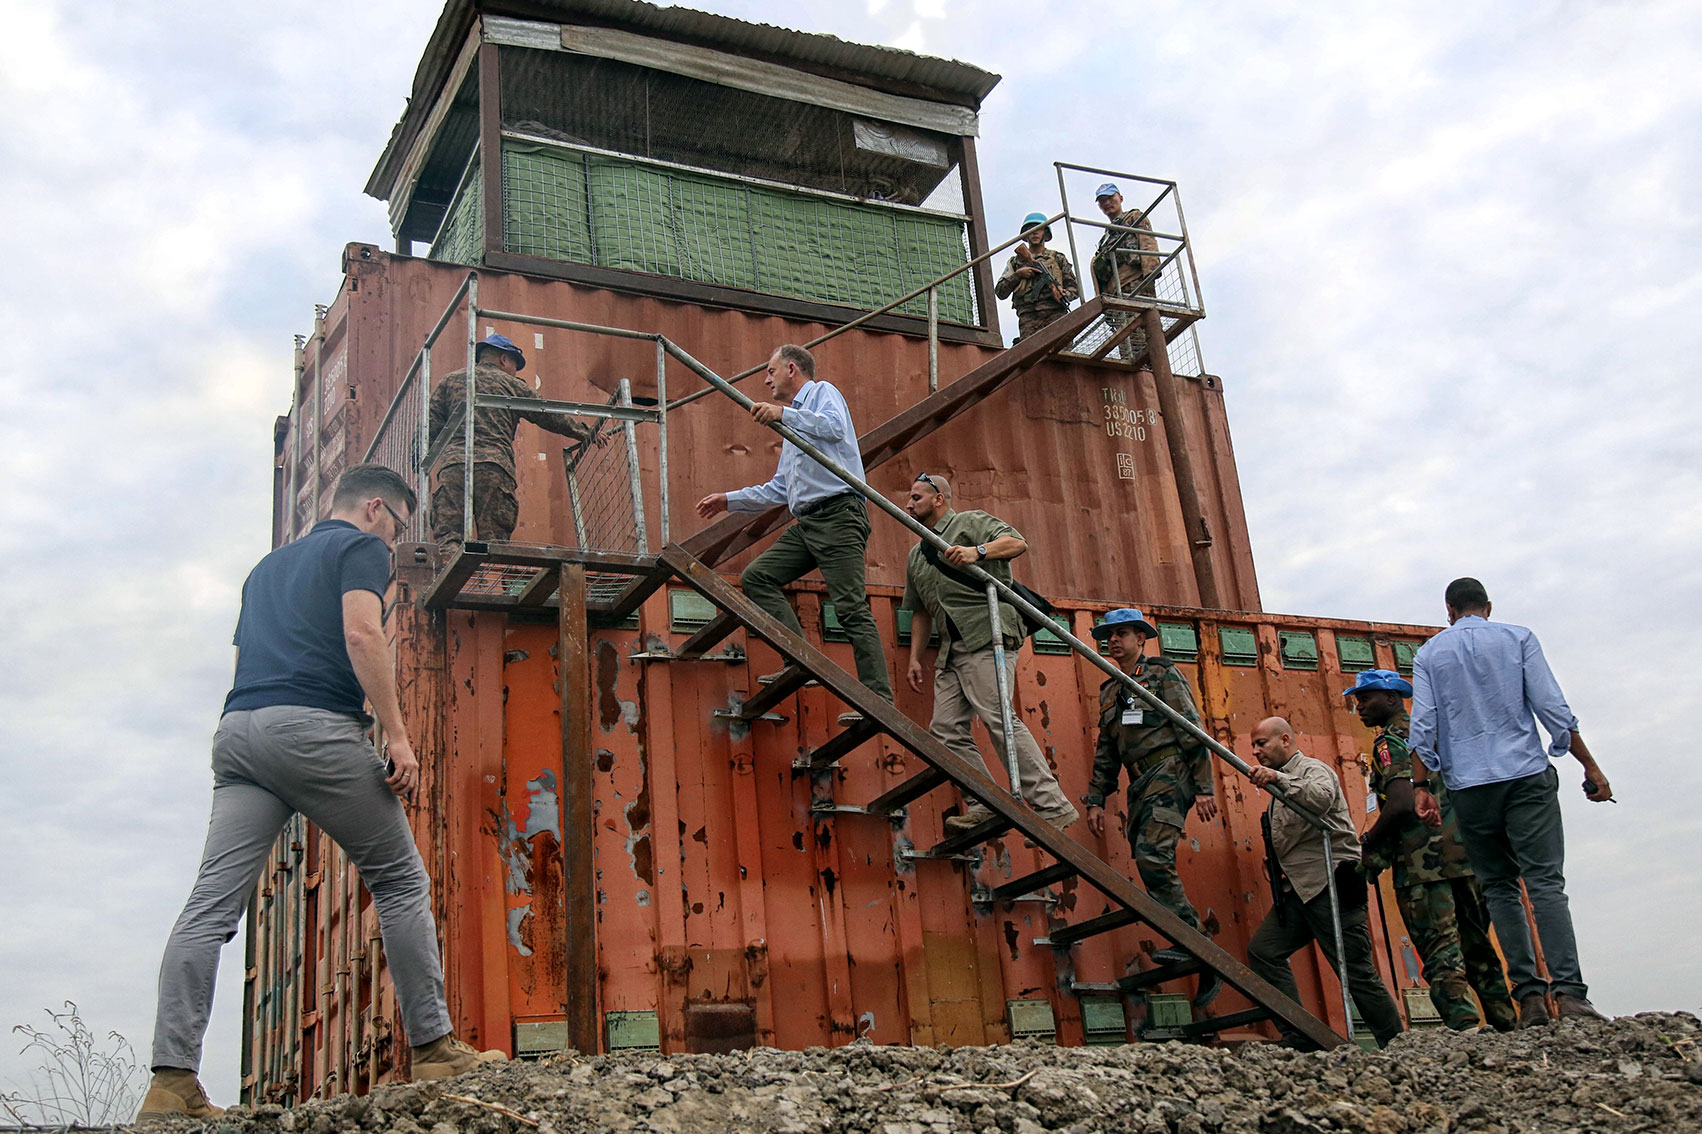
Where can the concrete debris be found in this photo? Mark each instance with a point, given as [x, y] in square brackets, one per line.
[1633, 1074]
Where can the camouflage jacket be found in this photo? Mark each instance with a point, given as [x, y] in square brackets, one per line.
[1416, 852]
[1151, 744]
[493, 429]
[1034, 292]
[1123, 249]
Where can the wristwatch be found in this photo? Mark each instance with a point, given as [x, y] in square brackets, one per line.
[981, 550]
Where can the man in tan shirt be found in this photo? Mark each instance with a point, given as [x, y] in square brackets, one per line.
[1301, 914]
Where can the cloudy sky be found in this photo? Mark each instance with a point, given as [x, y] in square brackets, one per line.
[1447, 253]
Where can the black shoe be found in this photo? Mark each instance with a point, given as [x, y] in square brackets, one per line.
[1210, 985]
[1298, 1042]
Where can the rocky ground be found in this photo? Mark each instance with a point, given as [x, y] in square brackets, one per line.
[1636, 1073]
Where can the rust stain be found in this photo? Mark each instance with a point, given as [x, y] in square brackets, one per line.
[797, 840]
[1011, 940]
[1045, 706]
[611, 710]
[1039, 677]
[605, 760]
[829, 880]
[701, 835]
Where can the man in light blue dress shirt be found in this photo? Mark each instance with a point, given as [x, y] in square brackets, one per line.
[1479, 690]
[832, 532]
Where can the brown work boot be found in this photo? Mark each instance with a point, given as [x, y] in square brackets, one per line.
[446, 1056]
[176, 1092]
[971, 818]
[1567, 1006]
[1533, 1011]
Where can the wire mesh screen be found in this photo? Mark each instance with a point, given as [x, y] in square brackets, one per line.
[397, 447]
[604, 490]
[569, 204]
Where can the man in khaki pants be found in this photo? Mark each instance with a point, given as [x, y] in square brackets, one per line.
[965, 678]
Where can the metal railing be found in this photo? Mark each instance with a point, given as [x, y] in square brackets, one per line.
[603, 471]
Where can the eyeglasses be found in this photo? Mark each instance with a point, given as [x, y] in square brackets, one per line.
[933, 482]
[401, 524]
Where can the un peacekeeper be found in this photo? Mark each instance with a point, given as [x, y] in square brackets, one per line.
[497, 361]
[1435, 890]
[1169, 770]
[1118, 263]
[1039, 282]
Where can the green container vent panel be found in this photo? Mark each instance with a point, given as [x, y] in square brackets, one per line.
[904, 620]
[560, 203]
[1103, 1020]
[831, 630]
[1046, 642]
[688, 611]
[1238, 645]
[1167, 1012]
[1404, 652]
[1299, 649]
[1356, 654]
[1031, 1020]
[633, 1031]
[1180, 640]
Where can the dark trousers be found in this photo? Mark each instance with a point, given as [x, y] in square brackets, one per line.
[1512, 832]
[1294, 925]
[834, 539]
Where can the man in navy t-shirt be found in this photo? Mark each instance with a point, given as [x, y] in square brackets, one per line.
[311, 655]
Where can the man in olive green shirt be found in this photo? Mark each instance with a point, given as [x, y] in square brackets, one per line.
[965, 676]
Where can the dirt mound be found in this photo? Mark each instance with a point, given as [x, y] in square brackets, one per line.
[1636, 1073]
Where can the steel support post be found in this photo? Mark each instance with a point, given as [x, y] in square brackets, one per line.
[662, 437]
[1002, 678]
[1336, 924]
[933, 339]
[422, 501]
[635, 480]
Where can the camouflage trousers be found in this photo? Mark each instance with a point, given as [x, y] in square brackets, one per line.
[495, 510]
[1155, 827]
[1449, 926]
[1029, 320]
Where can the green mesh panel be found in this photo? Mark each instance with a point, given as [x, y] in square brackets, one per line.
[562, 205]
[458, 241]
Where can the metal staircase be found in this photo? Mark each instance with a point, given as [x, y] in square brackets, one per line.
[876, 716]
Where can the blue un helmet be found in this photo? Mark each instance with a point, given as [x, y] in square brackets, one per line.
[1033, 219]
[1373, 679]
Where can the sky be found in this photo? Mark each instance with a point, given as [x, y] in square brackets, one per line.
[1446, 253]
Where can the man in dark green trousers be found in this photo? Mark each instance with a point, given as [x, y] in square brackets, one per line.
[832, 529]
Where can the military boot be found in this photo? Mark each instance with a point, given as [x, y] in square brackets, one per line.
[175, 1092]
[1533, 1010]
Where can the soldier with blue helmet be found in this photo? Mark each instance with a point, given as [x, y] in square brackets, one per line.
[1435, 890]
[1039, 282]
[1169, 769]
[497, 364]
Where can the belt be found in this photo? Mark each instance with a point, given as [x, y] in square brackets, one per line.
[815, 506]
[1154, 759]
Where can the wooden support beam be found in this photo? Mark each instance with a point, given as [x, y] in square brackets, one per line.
[907, 791]
[705, 638]
[490, 146]
[1029, 883]
[791, 680]
[1104, 923]
[843, 743]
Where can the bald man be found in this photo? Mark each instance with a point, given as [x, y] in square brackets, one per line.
[1301, 915]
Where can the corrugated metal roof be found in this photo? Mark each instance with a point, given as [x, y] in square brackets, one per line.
[883, 68]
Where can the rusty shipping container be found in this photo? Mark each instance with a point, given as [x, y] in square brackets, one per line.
[672, 879]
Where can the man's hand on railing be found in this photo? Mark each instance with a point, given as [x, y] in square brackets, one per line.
[712, 505]
[767, 413]
[1262, 776]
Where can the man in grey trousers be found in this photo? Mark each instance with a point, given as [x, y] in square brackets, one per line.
[1478, 690]
[311, 652]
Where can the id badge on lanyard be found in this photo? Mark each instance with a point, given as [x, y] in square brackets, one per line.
[1133, 714]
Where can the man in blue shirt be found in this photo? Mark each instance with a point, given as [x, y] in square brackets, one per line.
[1479, 689]
[311, 653]
[832, 532]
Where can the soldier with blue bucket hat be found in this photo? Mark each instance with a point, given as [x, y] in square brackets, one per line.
[1169, 769]
[1435, 890]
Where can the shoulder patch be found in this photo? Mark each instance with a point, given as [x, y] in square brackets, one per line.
[1380, 754]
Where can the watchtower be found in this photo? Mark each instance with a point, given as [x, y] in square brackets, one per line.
[634, 841]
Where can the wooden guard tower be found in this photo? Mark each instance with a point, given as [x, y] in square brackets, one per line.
[633, 843]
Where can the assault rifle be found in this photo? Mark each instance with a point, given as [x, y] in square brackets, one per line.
[1028, 259]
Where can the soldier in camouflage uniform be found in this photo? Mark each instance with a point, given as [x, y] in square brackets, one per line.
[495, 510]
[1121, 261]
[1435, 890]
[1169, 770]
[1031, 276]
